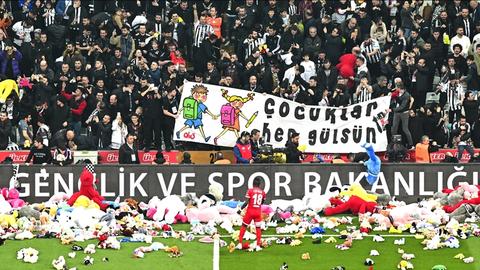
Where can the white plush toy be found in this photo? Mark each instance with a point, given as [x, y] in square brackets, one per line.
[28, 255]
[5, 207]
[296, 204]
[318, 202]
[59, 264]
[216, 190]
[174, 205]
[86, 217]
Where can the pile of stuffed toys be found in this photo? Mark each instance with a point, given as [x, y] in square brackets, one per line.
[439, 222]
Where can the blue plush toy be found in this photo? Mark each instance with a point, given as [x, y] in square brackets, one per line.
[373, 164]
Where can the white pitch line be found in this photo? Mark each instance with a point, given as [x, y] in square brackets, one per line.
[311, 235]
[216, 254]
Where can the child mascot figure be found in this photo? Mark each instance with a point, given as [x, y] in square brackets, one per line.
[87, 187]
[373, 164]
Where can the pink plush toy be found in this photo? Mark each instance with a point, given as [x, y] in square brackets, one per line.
[59, 197]
[266, 209]
[204, 214]
[401, 215]
[13, 197]
[471, 191]
[166, 209]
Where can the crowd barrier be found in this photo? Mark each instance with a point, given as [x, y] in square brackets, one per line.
[208, 157]
[407, 182]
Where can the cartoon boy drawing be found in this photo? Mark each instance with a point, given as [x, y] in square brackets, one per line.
[231, 113]
[193, 108]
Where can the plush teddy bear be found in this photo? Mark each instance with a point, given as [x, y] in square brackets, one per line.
[469, 191]
[9, 221]
[216, 190]
[317, 202]
[13, 197]
[58, 197]
[296, 205]
[465, 211]
[168, 209]
[450, 209]
[5, 207]
[205, 211]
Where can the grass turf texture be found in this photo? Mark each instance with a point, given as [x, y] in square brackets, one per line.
[198, 256]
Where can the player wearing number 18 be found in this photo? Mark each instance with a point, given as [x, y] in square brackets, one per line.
[255, 198]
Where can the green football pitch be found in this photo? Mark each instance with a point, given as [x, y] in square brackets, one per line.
[198, 256]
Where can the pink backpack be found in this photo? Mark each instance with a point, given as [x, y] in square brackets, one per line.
[227, 113]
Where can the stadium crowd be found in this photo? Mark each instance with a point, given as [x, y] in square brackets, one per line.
[92, 72]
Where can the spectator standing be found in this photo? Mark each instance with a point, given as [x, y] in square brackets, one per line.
[128, 152]
[400, 114]
[170, 107]
[119, 132]
[152, 111]
[102, 131]
[40, 153]
[135, 127]
[10, 59]
[25, 131]
[5, 130]
[77, 105]
[294, 155]
[124, 42]
[462, 141]
[43, 132]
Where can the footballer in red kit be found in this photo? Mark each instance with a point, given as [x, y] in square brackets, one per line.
[256, 197]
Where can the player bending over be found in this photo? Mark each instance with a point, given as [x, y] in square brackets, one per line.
[255, 197]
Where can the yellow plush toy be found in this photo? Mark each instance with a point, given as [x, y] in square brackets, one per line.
[84, 201]
[6, 88]
[357, 190]
[7, 221]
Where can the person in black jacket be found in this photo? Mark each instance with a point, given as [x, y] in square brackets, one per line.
[152, 116]
[293, 154]
[463, 141]
[102, 131]
[400, 114]
[39, 153]
[5, 130]
[128, 153]
[340, 97]
[327, 76]
[207, 52]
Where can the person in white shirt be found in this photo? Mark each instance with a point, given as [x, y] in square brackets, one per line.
[309, 65]
[461, 39]
[22, 31]
[119, 132]
[291, 73]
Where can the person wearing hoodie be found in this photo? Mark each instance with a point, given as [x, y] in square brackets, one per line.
[243, 149]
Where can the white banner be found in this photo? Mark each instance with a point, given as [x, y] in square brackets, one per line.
[216, 115]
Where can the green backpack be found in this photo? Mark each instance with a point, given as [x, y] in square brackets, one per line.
[190, 108]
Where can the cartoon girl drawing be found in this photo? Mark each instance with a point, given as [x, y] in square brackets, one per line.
[231, 112]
